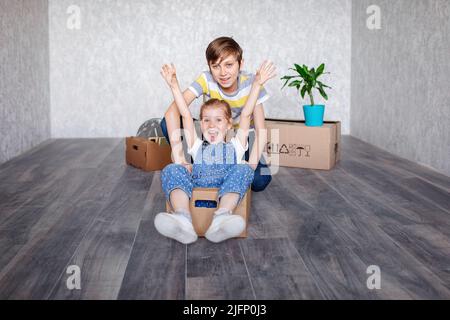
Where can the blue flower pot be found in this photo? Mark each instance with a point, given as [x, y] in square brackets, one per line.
[314, 115]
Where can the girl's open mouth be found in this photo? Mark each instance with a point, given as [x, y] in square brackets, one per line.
[213, 135]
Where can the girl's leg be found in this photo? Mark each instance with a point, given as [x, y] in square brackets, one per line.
[177, 185]
[235, 185]
[229, 201]
[179, 200]
[225, 224]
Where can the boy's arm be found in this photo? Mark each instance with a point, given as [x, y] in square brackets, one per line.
[260, 136]
[169, 74]
[264, 73]
[247, 111]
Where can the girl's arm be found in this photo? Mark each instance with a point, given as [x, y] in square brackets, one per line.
[263, 74]
[169, 74]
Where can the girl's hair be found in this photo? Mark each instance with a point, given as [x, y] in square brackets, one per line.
[221, 47]
[216, 103]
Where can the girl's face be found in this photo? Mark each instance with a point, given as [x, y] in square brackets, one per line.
[214, 125]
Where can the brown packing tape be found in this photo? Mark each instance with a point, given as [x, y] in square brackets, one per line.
[161, 141]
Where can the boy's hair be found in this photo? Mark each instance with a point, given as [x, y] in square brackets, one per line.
[216, 103]
[220, 48]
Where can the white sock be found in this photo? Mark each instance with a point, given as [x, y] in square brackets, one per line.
[184, 213]
[222, 211]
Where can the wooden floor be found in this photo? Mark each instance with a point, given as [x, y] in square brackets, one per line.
[313, 234]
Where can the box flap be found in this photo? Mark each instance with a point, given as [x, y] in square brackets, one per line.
[288, 121]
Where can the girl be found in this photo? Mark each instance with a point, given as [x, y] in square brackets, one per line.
[217, 164]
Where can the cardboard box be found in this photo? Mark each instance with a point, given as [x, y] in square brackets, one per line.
[202, 216]
[299, 146]
[148, 154]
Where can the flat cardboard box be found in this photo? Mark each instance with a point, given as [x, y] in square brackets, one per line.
[299, 146]
[148, 154]
[202, 217]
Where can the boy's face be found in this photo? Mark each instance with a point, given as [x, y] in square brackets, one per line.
[214, 125]
[226, 72]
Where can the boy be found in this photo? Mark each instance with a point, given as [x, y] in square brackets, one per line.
[224, 81]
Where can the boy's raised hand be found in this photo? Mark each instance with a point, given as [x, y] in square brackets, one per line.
[266, 72]
[169, 74]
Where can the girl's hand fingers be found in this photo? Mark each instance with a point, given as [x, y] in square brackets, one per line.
[270, 67]
[263, 65]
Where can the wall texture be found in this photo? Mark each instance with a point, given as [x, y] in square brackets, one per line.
[105, 75]
[401, 77]
[24, 76]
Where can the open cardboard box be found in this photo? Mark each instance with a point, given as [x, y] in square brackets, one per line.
[291, 143]
[202, 216]
[148, 154]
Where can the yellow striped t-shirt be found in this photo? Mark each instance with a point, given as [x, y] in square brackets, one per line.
[207, 86]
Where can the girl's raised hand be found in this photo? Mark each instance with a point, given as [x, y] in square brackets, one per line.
[169, 74]
[266, 72]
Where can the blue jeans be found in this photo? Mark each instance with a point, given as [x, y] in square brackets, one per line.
[260, 182]
[235, 179]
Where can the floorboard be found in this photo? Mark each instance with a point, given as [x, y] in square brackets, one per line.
[312, 234]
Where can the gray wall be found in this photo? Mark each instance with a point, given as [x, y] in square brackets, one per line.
[105, 76]
[401, 78]
[24, 76]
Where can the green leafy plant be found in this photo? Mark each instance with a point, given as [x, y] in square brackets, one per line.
[306, 80]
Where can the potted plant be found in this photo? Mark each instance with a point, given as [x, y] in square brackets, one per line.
[305, 81]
